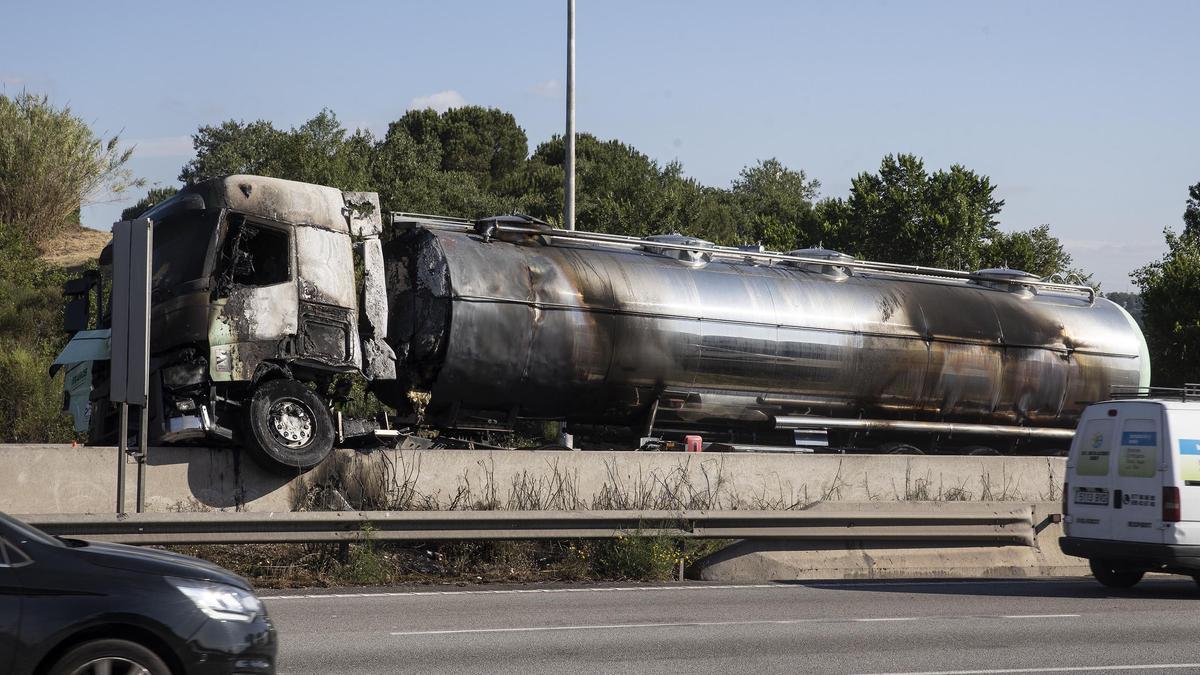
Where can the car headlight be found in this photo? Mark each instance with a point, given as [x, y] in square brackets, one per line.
[219, 601]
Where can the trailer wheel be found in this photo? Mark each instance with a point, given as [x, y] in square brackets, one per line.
[289, 428]
[894, 448]
[980, 450]
[1114, 577]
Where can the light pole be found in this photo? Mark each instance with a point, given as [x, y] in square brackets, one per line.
[564, 436]
[569, 163]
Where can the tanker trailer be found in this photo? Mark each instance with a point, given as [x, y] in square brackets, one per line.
[269, 297]
[506, 319]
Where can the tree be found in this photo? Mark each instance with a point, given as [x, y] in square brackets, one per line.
[777, 203]
[52, 163]
[1035, 251]
[1170, 290]
[155, 196]
[318, 151]
[1191, 215]
[905, 214]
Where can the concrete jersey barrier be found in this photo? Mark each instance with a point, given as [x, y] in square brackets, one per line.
[51, 479]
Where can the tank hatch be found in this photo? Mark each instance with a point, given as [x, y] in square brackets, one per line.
[694, 252]
[830, 269]
[1005, 279]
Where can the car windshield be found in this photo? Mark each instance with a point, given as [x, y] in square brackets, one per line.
[23, 532]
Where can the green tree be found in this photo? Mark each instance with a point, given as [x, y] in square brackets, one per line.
[407, 173]
[155, 196]
[777, 204]
[319, 151]
[1170, 289]
[52, 163]
[905, 214]
[1191, 214]
[1035, 251]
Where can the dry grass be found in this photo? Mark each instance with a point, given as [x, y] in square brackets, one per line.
[75, 247]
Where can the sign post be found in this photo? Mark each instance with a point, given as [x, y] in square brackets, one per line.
[133, 242]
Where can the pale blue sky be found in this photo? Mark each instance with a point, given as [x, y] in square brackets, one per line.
[1084, 113]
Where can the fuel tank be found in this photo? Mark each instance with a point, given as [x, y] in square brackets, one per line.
[554, 327]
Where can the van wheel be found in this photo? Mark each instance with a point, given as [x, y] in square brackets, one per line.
[110, 656]
[288, 427]
[1114, 577]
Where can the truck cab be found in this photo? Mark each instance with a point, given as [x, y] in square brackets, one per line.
[1131, 501]
[256, 291]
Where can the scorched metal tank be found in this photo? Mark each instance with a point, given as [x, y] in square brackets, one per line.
[505, 319]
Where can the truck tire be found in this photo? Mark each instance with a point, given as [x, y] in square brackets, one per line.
[288, 427]
[896, 448]
[1114, 577]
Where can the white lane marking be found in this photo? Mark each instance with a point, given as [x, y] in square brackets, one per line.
[1040, 616]
[691, 624]
[610, 626]
[866, 585]
[1053, 669]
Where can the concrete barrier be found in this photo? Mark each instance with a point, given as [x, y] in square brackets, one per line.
[62, 479]
[782, 560]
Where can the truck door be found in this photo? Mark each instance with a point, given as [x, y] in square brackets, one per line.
[1089, 477]
[256, 300]
[1138, 484]
[328, 299]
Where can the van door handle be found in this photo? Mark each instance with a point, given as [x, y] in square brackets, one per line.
[1116, 499]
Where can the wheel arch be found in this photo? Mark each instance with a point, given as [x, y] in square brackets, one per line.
[141, 635]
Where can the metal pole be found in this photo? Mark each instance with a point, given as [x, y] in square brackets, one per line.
[569, 163]
[122, 447]
[143, 440]
[564, 437]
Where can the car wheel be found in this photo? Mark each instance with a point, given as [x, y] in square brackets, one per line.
[289, 428]
[1114, 577]
[114, 657]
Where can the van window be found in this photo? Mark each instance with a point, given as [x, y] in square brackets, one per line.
[1189, 460]
[1138, 456]
[1093, 448]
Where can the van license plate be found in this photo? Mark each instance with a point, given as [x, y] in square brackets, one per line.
[1093, 496]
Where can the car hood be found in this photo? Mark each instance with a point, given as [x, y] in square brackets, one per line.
[153, 561]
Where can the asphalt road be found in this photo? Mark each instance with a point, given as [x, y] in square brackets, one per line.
[1001, 626]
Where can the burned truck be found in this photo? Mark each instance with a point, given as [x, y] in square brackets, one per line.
[271, 297]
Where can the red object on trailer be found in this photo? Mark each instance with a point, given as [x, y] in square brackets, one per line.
[694, 443]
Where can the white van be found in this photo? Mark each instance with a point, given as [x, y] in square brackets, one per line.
[1131, 502]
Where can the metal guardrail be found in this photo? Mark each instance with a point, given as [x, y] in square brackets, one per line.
[993, 523]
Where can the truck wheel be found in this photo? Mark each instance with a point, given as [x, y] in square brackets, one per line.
[894, 448]
[288, 427]
[1114, 577]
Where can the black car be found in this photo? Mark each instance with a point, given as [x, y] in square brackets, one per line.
[71, 607]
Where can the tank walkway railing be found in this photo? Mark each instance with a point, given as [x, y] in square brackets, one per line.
[730, 252]
[975, 523]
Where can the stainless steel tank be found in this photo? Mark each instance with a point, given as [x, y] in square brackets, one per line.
[498, 326]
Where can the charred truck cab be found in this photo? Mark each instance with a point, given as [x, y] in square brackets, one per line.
[256, 294]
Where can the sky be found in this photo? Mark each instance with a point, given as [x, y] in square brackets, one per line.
[1084, 114]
